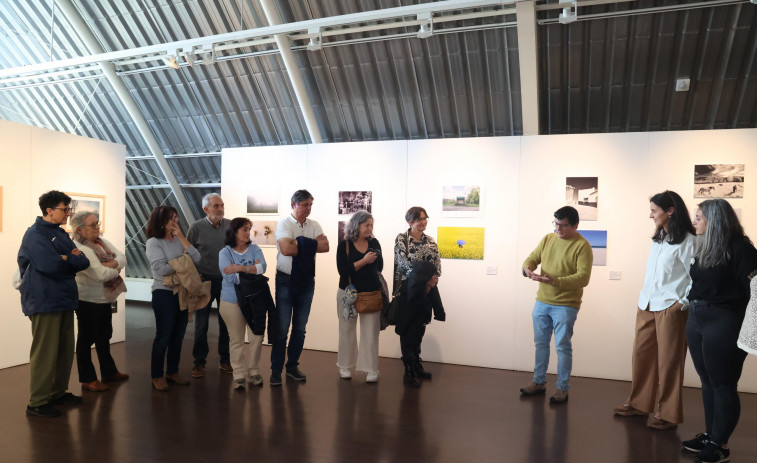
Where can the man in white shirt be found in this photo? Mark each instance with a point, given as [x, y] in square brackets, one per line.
[297, 240]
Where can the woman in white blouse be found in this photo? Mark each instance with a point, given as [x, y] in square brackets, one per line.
[99, 287]
[659, 349]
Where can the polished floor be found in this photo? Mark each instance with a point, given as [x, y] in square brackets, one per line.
[463, 415]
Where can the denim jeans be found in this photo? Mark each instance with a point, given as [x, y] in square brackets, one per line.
[294, 308]
[170, 325]
[560, 319]
[712, 333]
[201, 317]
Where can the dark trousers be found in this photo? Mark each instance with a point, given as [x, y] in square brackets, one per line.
[95, 322]
[201, 317]
[712, 333]
[170, 326]
[410, 341]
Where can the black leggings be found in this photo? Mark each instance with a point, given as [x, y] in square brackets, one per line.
[95, 327]
[410, 342]
[712, 333]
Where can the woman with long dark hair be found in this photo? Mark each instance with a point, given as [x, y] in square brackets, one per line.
[166, 242]
[725, 258]
[659, 349]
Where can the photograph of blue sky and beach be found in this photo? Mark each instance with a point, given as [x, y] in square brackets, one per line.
[719, 181]
[263, 201]
[598, 241]
[461, 200]
[583, 194]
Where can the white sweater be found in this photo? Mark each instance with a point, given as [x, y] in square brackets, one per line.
[90, 281]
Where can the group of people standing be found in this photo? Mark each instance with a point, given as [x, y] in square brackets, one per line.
[696, 292]
[223, 253]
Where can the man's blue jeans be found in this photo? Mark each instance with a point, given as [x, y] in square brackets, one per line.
[294, 308]
[560, 319]
[201, 317]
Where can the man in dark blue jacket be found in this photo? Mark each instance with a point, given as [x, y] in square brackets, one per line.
[48, 261]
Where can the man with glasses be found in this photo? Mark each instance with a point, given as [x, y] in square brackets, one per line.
[566, 260]
[208, 236]
[48, 261]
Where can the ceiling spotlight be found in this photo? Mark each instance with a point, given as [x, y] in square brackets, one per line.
[569, 14]
[171, 62]
[315, 42]
[426, 28]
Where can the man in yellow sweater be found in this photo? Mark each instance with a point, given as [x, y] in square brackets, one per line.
[566, 260]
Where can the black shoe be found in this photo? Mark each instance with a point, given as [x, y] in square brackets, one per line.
[275, 378]
[296, 374]
[66, 399]
[410, 379]
[696, 444]
[713, 453]
[43, 411]
[419, 371]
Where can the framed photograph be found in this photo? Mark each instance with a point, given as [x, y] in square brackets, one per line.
[340, 230]
[90, 203]
[461, 242]
[353, 201]
[462, 201]
[263, 233]
[262, 201]
[719, 181]
[598, 241]
[583, 194]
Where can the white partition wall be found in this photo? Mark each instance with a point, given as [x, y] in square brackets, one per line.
[34, 161]
[488, 302]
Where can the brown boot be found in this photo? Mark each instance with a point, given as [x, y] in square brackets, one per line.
[559, 397]
[94, 386]
[160, 384]
[177, 379]
[534, 389]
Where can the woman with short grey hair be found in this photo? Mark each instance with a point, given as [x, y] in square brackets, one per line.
[99, 287]
[359, 261]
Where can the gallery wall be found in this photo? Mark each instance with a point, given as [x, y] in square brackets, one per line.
[488, 302]
[34, 161]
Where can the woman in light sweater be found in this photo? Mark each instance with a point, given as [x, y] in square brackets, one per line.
[240, 255]
[166, 242]
[659, 350]
[99, 287]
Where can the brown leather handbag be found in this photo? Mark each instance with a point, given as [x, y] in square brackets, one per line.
[367, 301]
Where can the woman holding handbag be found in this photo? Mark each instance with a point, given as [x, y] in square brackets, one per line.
[359, 261]
[240, 256]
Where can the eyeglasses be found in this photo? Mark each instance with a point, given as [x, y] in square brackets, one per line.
[560, 225]
[65, 210]
[94, 226]
[422, 219]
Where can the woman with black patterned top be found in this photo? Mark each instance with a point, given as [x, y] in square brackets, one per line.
[411, 247]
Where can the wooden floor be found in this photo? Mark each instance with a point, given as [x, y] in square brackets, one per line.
[463, 415]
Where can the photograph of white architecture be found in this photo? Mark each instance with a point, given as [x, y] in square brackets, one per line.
[583, 194]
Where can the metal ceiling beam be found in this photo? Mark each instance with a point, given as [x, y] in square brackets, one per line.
[248, 37]
[529, 71]
[290, 62]
[80, 27]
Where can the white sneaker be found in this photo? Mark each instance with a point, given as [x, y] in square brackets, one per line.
[371, 378]
[345, 373]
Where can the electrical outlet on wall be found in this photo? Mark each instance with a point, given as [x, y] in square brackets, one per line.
[616, 275]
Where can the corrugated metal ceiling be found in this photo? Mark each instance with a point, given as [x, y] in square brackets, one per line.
[608, 74]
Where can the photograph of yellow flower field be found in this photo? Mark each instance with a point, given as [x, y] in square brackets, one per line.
[461, 242]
